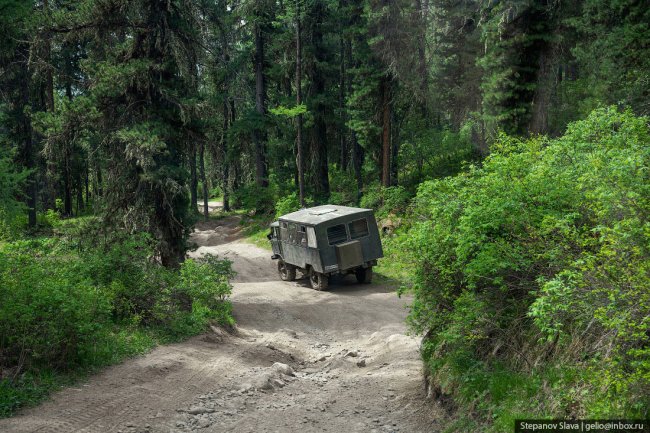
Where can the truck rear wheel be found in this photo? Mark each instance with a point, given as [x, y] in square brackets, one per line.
[287, 272]
[318, 281]
[364, 275]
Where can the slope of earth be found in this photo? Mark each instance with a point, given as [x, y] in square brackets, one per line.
[299, 361]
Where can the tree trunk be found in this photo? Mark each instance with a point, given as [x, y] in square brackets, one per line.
[224, 154]
[87, 183]
[357, 155]
[259, 134]
[67, 157]
[342, 112]
[194, 181]
[421, 20]
[27, 153]
[100, 182]
[80, 192]
[317, 92]
[394, 152]
[385, 134]
[67, 182]
[204, 183]
[299, 146]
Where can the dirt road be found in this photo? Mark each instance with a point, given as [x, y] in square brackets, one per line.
[300, 361]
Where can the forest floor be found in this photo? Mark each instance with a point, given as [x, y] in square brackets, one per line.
[298, 361]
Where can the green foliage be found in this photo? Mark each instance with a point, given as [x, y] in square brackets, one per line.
[385, 201]
[541, 254]
[254, 197]
[289, 112]
[612, 47]
[287, 204]
[215, 192]
[69, 306]
[343, 188]
[207, 282]
[51, 313]
[11, 209]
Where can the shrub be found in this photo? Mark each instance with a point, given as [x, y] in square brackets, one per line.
[385, 201]
[254, 197]
[207, 282]
[539, 256]
[343, 188]
[287, 204]
[66, 306]
[50, 312]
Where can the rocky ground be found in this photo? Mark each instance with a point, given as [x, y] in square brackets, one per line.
[298, 361]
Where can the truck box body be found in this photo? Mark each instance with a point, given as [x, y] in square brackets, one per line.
[330, 239]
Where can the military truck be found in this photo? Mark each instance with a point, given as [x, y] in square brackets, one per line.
[326, 240]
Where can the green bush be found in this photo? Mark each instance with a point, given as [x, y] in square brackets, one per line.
[254, 197]
[11, 210]
[68, 306]
[343, 188]
[287, 204]
[51, 313]
[385, 201]
[541, 257]
[207, 282]
[215, 192]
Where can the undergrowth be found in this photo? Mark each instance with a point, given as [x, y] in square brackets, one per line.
[532, 277]
[73, 303]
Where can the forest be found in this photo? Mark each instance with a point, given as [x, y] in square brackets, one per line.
[505, 145]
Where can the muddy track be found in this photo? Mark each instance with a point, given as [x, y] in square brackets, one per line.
[299, 361]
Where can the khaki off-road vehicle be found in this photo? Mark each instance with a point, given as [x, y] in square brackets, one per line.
[326, 240]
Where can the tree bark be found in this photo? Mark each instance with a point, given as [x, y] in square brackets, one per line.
[385, 134]
[224, 154]
[67, 181]
[342, 112]
[318, 132]
[421, 17]
[357, 152]
[194, 181]
[259, 133]
[299, 146]
[204, 183]
[26, 152]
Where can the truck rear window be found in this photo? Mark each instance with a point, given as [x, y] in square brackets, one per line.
[358, 228]
[336, 234]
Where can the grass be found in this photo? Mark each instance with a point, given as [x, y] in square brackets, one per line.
[395, 265]
[256, 229]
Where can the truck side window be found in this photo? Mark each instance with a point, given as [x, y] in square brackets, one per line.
[336, 234]
[292, 233]
[358, 228]
[283, 231]
[301, 236]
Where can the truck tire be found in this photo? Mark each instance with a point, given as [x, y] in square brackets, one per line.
[318, 281]
[364, 275]
[287, 272]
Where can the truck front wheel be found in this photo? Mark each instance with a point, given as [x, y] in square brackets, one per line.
[364, 275]
[287, 272]
[318, 281]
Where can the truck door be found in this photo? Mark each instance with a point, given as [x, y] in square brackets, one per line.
[276, 245]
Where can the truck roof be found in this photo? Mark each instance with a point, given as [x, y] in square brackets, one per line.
[319, 214]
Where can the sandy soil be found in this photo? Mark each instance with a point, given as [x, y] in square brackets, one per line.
[299, 361]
